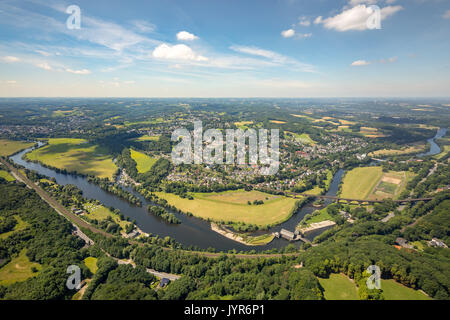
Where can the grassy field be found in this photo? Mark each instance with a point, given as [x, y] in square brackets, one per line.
[444, 151]
[359, 182]
[232, 206]
[75, 155]
[338, 287]
[303, 138]
[91, 263]
[147, 138]
[143, 161]
[100, 213]
[393, 290]
[243, 125]
[261, 240]
[321, 216]
[278, 121]
[396, 152]
[18, 269]
[5, 175]
[21, 225]
[9, 147]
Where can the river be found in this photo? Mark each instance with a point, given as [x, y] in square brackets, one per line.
[192, 231]
[434, 147]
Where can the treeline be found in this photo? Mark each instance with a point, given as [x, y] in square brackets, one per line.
[163, 214]
[115, 189]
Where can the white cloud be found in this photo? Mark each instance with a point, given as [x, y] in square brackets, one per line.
[356, 18]
[43, 53]
[304, 22]
[318, 20]
[360, 63]
[288, 33]
[11, 82]
[304, 35]
[176, 52]
[274, 57]
[144, 26]
[356, 2]
[10, 59]
[446, 15]
[83, 71]
[44, 65]
[186, 36]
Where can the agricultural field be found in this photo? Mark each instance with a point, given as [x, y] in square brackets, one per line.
[18, 269]
[396, 152]
[277, 121]
[372, 184]
[232, 206]
[303, 138]
[9, 147]
[75, 155]
[21, 225]
[243, 125]
[359, 182]
[147, 138]
[393, 290]
[5, 175]
[338, 287]
[371, 132]
[143, 161]
[444, 151]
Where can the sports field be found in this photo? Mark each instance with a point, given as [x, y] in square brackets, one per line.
[9, 147]
[232, 206]
[143, 161]
[338, 287]
[359, 182]
[18, 269]
[75, 155]
[372, 184]
[393, 290]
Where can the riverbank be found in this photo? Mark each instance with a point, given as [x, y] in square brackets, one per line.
[249, 241]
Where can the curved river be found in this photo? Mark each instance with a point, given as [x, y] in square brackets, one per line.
[192, 231]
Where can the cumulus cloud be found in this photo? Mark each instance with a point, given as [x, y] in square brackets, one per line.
[288, 33]
[360, 63]
[176, 52]
[83, 71]
[10, 59]
[186, 36]
[446, 14]
[356, 2]
[355, 18]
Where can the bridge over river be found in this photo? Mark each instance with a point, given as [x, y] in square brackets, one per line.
[360, 201]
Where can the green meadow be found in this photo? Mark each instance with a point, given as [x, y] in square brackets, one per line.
[143, 161]
[18, 269]
[75, 155]
[232, 206]
[338, 287]
[9, 147]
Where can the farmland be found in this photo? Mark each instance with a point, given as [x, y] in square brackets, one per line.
[5, 175]
[9, 147]
[143, 161]
[232, 206]
[75, 155]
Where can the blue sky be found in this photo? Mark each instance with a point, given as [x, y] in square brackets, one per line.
[218, 48]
